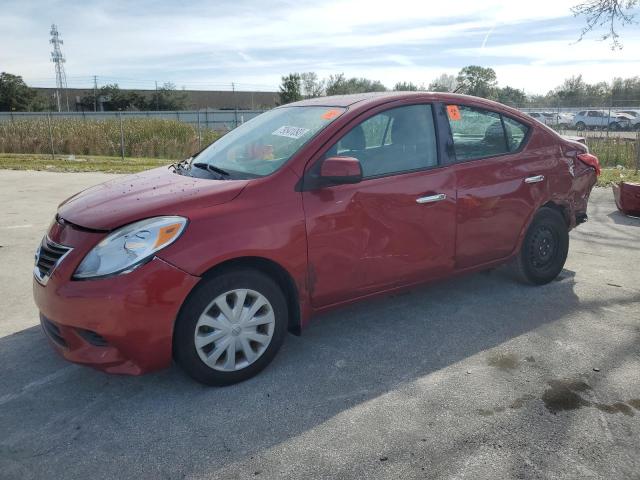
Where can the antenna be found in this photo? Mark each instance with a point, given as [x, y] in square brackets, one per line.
[61, 77]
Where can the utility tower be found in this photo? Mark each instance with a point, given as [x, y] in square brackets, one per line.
[62, 97]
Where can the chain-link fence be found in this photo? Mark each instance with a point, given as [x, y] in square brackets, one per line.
[179, 134]
[170, 135]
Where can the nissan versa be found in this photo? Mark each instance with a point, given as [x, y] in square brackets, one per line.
[307, 207]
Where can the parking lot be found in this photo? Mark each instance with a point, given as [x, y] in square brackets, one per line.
[477, 377]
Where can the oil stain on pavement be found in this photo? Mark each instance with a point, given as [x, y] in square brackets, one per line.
[564, 395]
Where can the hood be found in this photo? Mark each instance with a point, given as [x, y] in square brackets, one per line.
[147, 194]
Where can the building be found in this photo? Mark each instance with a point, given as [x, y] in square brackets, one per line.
[197, 99]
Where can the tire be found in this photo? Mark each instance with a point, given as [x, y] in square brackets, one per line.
[219, 334]
[615, 126]
[581, 126]
[544, 248]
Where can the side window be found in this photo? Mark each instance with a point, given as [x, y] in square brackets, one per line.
[395, 141]
[477, 133]
[516, 132]
[581, 114]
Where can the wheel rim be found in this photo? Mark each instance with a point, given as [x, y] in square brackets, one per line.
[544, 246]
[234, 330]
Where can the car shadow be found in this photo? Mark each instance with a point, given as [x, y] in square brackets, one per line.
[55, 415]
[621, 219]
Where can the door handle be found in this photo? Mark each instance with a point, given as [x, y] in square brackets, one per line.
[432, 198]
[536, 179]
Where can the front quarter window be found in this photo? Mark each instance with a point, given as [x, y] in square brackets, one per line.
[265, 143]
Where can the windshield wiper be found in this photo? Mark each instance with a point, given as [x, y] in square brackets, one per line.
[211, 168]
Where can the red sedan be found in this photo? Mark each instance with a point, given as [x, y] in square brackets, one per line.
[307, 207]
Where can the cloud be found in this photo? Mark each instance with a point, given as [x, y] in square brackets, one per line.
[203, 44]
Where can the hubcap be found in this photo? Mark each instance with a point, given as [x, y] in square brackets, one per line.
[543, 247]
[234, 330]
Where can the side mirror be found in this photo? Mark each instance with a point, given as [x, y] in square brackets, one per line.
[339, 170]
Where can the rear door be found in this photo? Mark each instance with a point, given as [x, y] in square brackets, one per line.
[395, 227]
[499, 182]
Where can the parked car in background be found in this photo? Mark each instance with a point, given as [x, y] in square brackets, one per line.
[600, 119]
[305, 208]
[544, 118]
[553, 119]
[564, 119]
[634, 117]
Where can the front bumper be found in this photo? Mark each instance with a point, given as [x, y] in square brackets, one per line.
[121, 324]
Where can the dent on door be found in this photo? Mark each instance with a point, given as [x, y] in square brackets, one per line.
[496, 197]
[376, 235]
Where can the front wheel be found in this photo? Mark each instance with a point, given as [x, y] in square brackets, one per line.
[581, 126]
[230, 327]
[615, 126]
[544, 249]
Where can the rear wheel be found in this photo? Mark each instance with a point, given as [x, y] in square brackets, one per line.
[230, 328]
[544, 249]
[614, 126]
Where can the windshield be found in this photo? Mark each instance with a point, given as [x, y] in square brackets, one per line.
[263, 144]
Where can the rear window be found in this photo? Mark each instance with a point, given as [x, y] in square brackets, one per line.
[516, 133]
[479, 133]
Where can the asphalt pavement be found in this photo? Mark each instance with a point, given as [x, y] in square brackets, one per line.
[477, 377]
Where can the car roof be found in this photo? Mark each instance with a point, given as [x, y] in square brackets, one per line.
[371, 99]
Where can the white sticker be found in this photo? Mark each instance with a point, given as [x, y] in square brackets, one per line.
[290, 132]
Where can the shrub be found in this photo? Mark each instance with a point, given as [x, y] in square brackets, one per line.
[142, 137]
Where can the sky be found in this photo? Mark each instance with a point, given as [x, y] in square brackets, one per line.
[208, 45]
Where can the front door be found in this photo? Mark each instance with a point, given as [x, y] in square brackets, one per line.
[394, 228]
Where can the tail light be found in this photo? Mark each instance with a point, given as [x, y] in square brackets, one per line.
[591, 160]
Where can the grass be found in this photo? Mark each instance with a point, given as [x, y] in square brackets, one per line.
[143, 137]
[614, 151]
[613, 175]
[93, 163]
[88, 163]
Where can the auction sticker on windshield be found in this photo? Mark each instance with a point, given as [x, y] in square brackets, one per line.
[290, 132]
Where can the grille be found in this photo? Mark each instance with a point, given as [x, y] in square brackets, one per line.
[48, 256]
[92, 337]
[52, 331]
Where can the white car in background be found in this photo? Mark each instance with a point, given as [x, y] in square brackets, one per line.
[634, 117]
[545, 118]
[600, 119]
[562, 120]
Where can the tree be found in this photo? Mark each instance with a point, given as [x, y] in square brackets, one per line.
[625, 90]
[405, 87]
[165, 98]
[16, 96]
[478, 81]
[291, 88]
[444, 83]
[113, 98]
[610, 14]
[511, 96]
[339, 85]
[311, 86]
[572, 91]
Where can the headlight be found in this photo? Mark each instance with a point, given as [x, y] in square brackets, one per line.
[130, 246]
